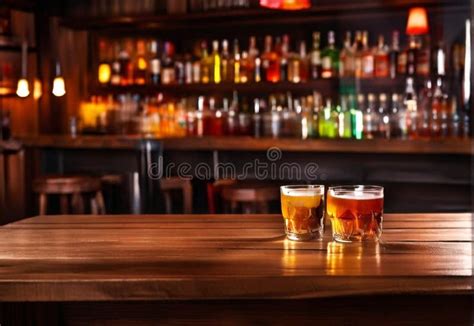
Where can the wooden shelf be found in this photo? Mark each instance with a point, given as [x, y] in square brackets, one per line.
[324, 86]
[446, 146]
[325, 9]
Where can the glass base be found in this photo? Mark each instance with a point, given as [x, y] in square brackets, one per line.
[303, 236]
[340, 239]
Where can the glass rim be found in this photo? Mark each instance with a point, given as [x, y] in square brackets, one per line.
[318, 189]
[364, 188]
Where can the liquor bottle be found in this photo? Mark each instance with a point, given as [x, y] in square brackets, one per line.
[257, 119]
[155, 64]
[270, 62]
[344, 119]
[179, 70]
[439, 60]
[328, 121]
[304, 62]
[358, 51]
[357, 117]
[316, 67]
[196, 58]
[314, 104]
[301, 115]
[371, 119]
[424, 110]
[232, 124]
[168, 73]
[411, 55]
[236, 62]
[104, 70]
[439, 111]
[115, 78]
[141, 65]
[423, 60]
[293, 67]
[206, 64]
[199, 118]
[289, 126]
[368, 61]
[188, 69]
[397, 123]
[125, 66]
[382, 64]
[286, 58]
[258, 70]
[245, 119]
[226, 73]
[454, 119]
[217, 121]
[272, 119]
[411, 108]
[393, 54]
[330, 58]
[384, 117]
[347, 58]
[216, 63]
[245, 73]
[253, 54]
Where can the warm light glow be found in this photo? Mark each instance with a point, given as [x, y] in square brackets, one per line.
[417, 21]
[59, 87]
[104, 73]
[23, 89]
[286, 4]
[37, 89]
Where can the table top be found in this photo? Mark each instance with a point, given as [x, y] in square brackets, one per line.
[163, 257]
[240, 143]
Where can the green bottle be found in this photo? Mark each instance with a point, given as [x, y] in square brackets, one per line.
[328, 122]
[345, 118]
[357, 116]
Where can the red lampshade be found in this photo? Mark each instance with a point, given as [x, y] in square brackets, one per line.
[417, 21]
[286, 4]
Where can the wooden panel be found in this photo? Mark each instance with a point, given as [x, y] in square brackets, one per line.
[447, 146]
[157, 257]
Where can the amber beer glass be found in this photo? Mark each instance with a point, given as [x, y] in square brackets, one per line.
[302, 208]
[356, 212]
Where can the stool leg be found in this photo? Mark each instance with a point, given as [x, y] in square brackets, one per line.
[100, 202]
[167, 200]
[43, 204]
[77, 204]
[94, 209]
[64, 204]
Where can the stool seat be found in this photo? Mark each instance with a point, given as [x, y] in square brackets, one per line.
[76, 187]
[66, 184]
[253, 197]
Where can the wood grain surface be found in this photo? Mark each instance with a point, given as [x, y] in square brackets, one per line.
[447, 146]
[162, 257]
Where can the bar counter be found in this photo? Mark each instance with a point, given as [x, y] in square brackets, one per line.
[165, 259]
[447, 146]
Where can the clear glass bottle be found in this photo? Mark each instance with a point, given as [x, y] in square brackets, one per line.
[316, 67]
[393, 54]
[398, 120]
[424, 106]
[410, 104]
[358, 52]
[439, 110]
[155, 64]
[257, 119]
[314, 104]
[371, 118]
[226, 74]
[384, 117]
[344, 119]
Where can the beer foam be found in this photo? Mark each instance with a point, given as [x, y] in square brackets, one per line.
[302, 192]
[357, 195]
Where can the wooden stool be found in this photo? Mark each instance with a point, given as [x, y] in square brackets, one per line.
[175, 183]
[252, 197]
[75, 186]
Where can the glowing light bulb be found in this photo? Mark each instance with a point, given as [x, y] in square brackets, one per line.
[23, 89]
[59, 87]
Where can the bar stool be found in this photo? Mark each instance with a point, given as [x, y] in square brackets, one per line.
[249, 197]
[169, 185]
[78, 188]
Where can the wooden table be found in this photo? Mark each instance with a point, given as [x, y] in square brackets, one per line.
[220, 268]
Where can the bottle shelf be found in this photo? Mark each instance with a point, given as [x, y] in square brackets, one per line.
[327, 87]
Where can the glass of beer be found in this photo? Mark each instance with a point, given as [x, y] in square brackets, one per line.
[356, 212]
[302, 208]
